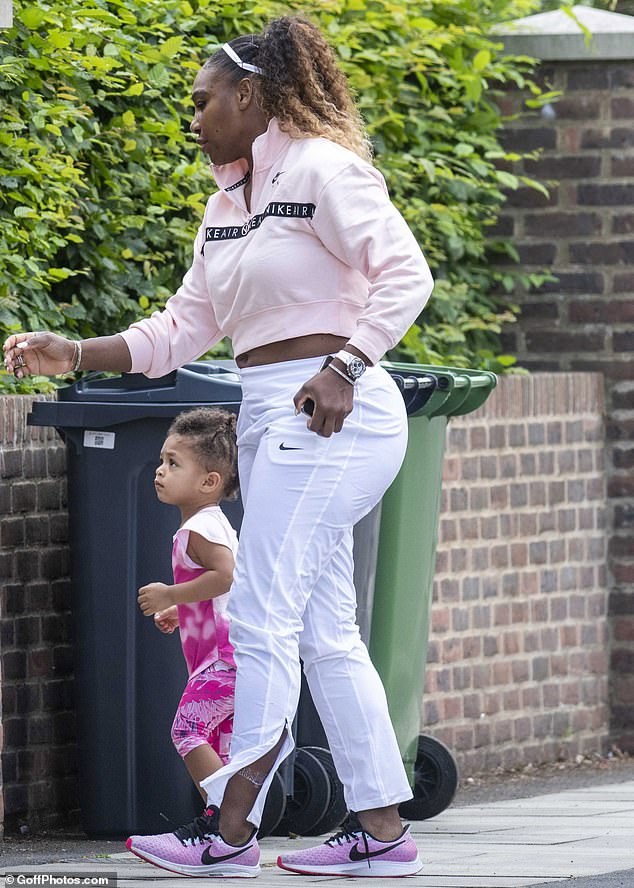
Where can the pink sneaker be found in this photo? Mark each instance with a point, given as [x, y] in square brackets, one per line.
[198, 849]
[354, 852]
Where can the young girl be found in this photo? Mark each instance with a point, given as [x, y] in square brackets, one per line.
[197, 471]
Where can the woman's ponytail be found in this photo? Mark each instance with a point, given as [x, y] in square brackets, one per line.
[301, 84]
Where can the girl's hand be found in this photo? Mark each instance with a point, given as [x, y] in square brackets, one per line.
[154, 597]
[167, 620]
[38, 354]
[332, 397]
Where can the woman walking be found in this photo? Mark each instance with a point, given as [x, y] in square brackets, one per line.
[301, 259]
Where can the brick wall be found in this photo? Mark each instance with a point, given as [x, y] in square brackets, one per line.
[517, 663]
[517, 659]
[585, 321]
[36, 654]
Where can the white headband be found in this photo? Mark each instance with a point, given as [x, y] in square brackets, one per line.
[233, 55]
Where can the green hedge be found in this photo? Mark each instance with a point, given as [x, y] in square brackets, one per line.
[102, 187]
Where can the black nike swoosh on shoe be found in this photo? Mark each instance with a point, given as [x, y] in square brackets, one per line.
[355, 854]
[208, 859]
[284, 447]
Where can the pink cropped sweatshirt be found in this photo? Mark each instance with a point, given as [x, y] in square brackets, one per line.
[321, 250]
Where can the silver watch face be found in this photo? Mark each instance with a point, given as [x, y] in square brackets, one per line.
[356, 368]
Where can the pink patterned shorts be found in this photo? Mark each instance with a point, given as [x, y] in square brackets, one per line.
[205, 712]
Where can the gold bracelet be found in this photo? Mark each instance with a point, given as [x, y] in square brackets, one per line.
[76, 357]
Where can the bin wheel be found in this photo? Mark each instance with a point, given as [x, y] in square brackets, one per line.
[311, 799]
[337, 809]
[273, 806]
[435, 780]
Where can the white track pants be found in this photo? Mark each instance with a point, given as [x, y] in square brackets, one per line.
[293, 594]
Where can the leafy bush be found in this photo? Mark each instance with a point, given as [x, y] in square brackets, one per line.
[101, 186]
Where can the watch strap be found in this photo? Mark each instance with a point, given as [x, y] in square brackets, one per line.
[346, 357]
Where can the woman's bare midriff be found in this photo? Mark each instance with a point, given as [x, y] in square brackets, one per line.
[311, 346]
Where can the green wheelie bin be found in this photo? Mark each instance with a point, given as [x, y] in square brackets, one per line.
[405, 571]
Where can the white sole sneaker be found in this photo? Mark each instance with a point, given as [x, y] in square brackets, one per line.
[377, 870]
[226, 871]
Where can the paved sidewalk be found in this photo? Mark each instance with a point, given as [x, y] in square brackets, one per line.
[567, 838]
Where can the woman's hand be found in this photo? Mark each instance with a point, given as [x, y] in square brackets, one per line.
[155, 597]
[167, 620]
[38, 354]
[332, 397]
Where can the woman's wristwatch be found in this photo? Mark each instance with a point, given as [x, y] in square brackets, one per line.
[354, 365]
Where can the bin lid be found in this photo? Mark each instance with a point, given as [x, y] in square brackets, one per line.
[453, 391]
[216, 380]
[99, 401]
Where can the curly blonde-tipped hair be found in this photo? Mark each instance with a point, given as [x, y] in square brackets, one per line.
[211, 434]
[301, 84]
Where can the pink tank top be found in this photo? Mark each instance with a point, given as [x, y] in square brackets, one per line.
[204, 625]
